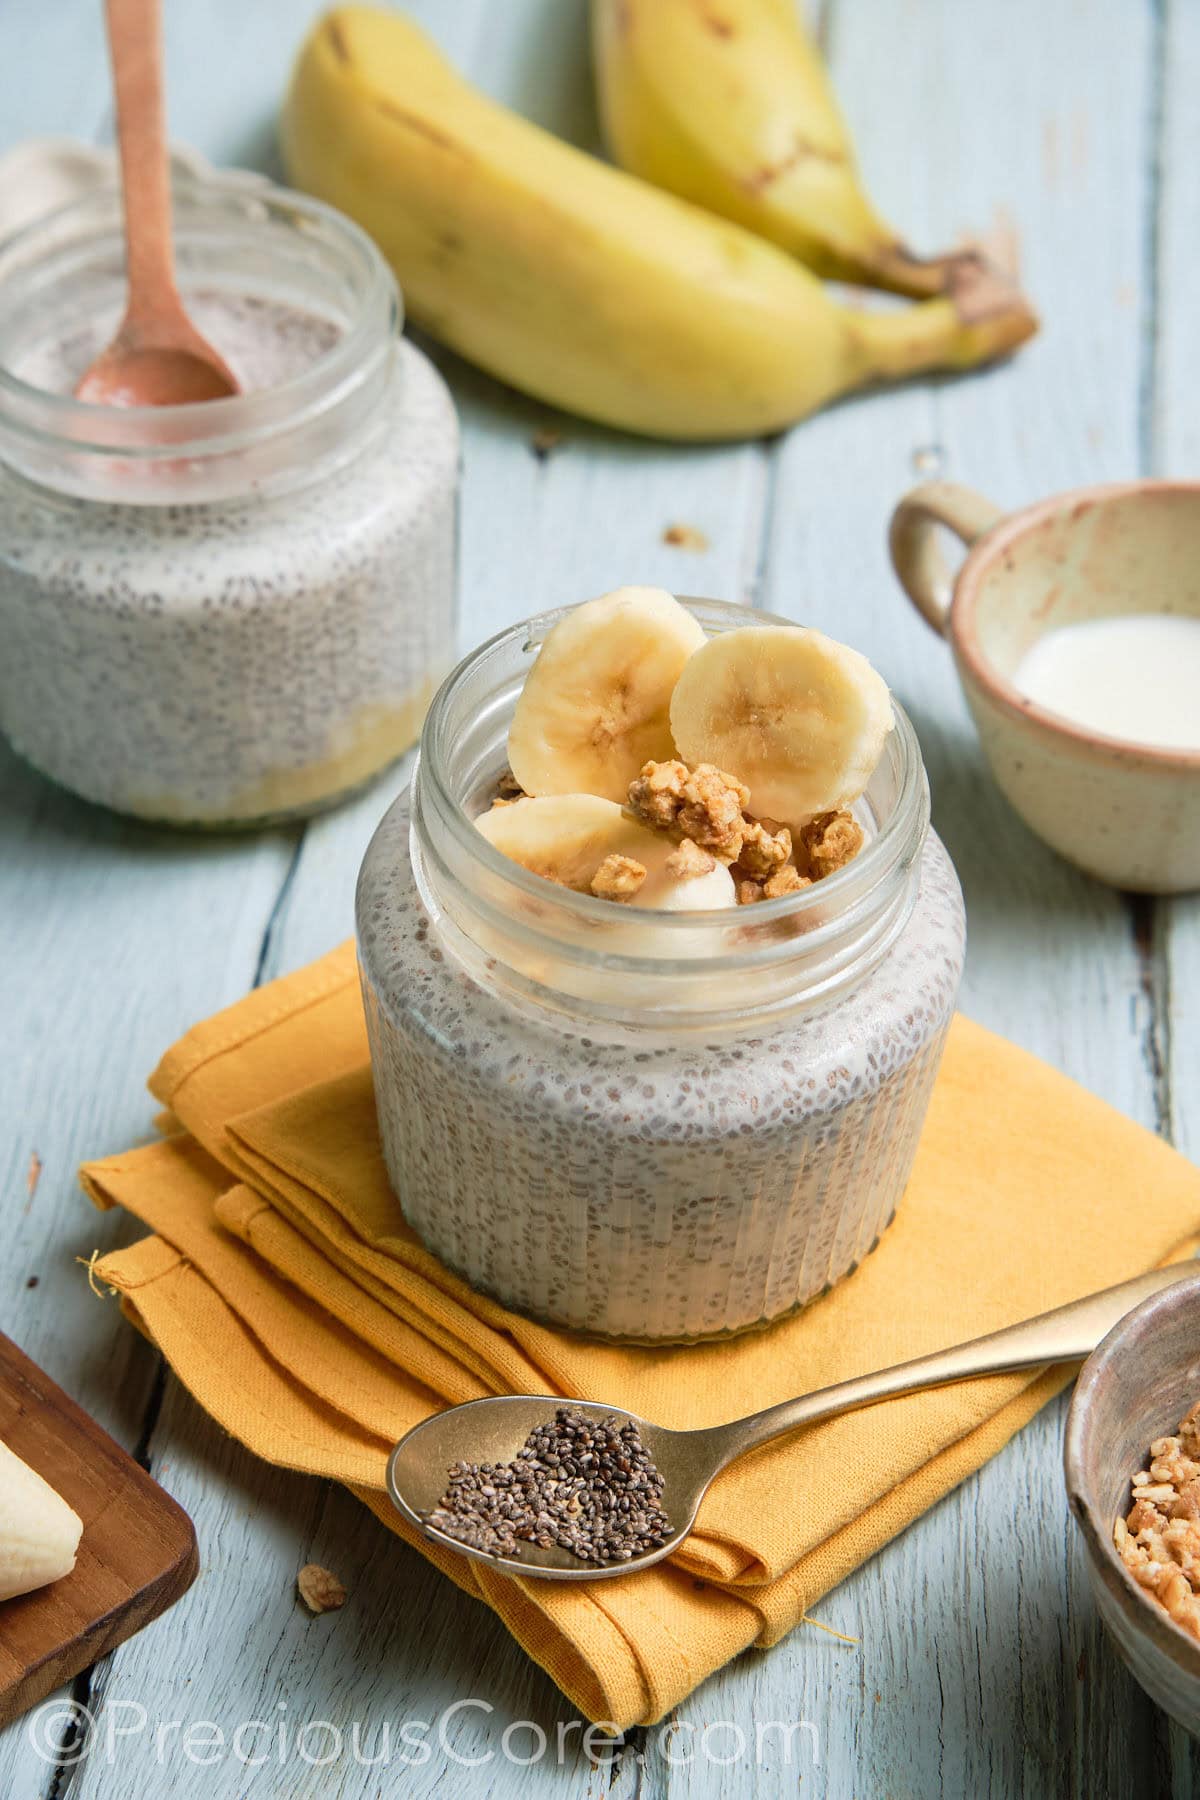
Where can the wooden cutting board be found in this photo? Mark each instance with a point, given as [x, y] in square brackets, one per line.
[136, 1557]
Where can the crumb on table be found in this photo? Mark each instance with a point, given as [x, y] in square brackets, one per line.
[320, 1591]
[685, 537]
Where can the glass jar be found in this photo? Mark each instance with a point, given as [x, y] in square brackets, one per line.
[659, 1126]
[237, 611]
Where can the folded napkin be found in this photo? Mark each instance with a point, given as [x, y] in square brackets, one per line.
[286, 1291]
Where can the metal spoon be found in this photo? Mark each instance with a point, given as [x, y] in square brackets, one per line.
[157, 358]
[494, 1429]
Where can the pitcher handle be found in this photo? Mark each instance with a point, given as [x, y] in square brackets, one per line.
[916, 554]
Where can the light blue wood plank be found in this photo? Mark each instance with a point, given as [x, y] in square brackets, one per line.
[963, 1641]
[1174, 415]
[1173, 432]
[53, 72]
[1175, 429]
[1170, 1012]
[116, 938]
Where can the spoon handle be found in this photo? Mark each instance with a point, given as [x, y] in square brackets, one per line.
[1068, 1334]
[135, 46]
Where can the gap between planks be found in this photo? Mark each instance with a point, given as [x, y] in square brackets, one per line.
[1149, 916]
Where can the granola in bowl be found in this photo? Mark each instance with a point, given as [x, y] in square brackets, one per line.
[1159, 1539]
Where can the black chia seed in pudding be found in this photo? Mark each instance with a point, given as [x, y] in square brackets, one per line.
[230, 660]
[583, 1484]
[636, 1186]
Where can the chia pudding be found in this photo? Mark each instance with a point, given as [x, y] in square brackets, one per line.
[654, 1135]
[232, 612]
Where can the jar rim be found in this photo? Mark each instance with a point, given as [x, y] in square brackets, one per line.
[895, 843]
[212, 428]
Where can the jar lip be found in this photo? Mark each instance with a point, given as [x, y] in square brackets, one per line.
[892, 844]
[214, 427]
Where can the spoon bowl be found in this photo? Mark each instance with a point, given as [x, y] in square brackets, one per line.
[157, 358]
[495, 1428]
[130, 374]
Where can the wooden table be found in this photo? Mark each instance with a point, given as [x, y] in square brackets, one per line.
[980, 1668]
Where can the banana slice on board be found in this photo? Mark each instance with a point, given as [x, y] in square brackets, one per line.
[566, 837]
[596, 704]
[801, 719]
[39, 1532]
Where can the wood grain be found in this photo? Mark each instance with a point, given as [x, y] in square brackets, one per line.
[137, 1554]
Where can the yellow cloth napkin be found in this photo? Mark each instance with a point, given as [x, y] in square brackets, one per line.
[285, 1289]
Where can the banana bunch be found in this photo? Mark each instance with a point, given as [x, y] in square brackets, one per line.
[580, 283]
[728, 104]
[791, 723]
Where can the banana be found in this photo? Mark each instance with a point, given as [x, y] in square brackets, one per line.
[727, 103]
[595, 706]
[39, 1532]
[577, 282]
[568, 837]
[564, 837]
[800, 719]
[666, 892]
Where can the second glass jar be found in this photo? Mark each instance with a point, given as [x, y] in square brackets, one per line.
[225, 613]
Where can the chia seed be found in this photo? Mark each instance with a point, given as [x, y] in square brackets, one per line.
[586, 1485]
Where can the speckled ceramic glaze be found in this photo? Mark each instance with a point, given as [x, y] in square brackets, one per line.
[1124, 812]
[222, 614]
[1134, 1388]
[646, 1130]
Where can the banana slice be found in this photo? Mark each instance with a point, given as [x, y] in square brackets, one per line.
[596, 703]
[39, 1532]
[566, 837]
[697, 893]
[801, 719]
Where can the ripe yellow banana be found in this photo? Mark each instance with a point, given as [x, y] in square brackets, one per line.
[576, 282]
[728, 104]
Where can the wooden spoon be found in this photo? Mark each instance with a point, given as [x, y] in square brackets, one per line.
[157, 358]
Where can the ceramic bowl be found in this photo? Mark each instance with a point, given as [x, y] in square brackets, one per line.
[1135, 1387]
[1125, 812]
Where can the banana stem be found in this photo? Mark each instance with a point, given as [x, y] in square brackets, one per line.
[983, 317]
[897, 270]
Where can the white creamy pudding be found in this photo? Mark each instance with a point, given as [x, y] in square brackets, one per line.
[233, 612]
[1135, 677]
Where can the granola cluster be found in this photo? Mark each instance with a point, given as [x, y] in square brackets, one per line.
[1159, 1540]
[828, 842]
[703, 810]
[618, 878]
[707, 808]
[703, 804]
